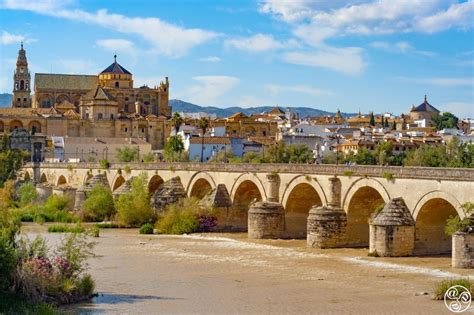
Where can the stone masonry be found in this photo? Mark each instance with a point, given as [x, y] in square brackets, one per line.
[463, 250]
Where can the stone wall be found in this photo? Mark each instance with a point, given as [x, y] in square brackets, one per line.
[463, 250]
[392, 240]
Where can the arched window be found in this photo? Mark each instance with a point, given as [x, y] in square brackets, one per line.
[116, 84]
[99, 116]
[111, 116]
[22, 85]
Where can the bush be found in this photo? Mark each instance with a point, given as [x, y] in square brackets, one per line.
[146, 228]
[388, 175]
[27, 194]
[444, 285]
[65, 229]
[107, 225]
[186, 216]
[99, 204]
[105, 164]
[133, 209]
[94, 231]
[455, 224]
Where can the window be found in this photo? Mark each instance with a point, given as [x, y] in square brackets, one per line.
[116, 84]
[24, 100]
[99, 116]
[111, 116]
[18, 100]
[143, 130]
[126, 129]
[264, 133]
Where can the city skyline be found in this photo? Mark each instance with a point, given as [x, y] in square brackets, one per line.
[346, 55]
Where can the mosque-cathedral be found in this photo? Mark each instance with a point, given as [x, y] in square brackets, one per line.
[103, 105]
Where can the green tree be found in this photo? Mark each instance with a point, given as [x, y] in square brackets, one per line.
[27, 194]
[394, 125]
[203, 124]
[383, 122]
[177, 121]
[133, 209]
[277, 153]
[446, 120]
[148, 158]
[384, 153]
[386, 125]
[10, 160]
[299, 153]
[364, 157]
[372, 119]
[174, 149]
[99, 204]
[127, 154]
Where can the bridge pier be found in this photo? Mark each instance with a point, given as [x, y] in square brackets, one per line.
[326, 225]
[266, 219]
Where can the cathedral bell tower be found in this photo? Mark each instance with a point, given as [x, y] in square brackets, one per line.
[21, 81]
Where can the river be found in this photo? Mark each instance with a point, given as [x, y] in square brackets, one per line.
[229, 274]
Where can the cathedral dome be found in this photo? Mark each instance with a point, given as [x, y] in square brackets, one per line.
[115, 68]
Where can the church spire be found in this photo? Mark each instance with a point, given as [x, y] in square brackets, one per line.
[21, 81]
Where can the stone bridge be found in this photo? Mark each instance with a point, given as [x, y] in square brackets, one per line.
[431, 194]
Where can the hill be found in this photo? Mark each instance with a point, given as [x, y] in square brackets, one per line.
[181, 106]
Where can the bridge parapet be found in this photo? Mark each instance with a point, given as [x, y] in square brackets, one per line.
[436, 173]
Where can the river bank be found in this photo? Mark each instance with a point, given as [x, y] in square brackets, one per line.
[229, 274]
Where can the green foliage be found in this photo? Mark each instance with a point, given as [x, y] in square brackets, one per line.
[372, 119]
[107, 225]
[456, 224]
[383, 153]
[373, 254]
[26, 194]
[94, 231]
[58, 228]
[443, 286]
[278, 153]
[56, 203]
[363, 157]
[13, 304]
[348, 173]
[454, 154]
[99, 204]
[146, 228]
[70, 168]
[148, 158]
[388, 176]
[446, 120]
[182, 217]
[10, 161]
[174, 150]
[105, 164]
[127, 154]
[127, 169]
[177, 121]
[133, 209]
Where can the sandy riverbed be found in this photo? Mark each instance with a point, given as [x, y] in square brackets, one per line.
[228, 274]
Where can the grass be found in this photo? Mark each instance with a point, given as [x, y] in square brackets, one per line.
[444, 285]
[107, 225]
[11, 304]
[146, 228]
[61, 228]
[373, 254]
[40, 215]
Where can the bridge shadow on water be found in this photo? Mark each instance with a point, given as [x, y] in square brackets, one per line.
[94, 306]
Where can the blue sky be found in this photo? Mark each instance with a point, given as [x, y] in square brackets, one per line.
[370, 55]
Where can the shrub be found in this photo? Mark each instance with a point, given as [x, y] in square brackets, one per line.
[373, 254]
[456, 224]
[388, 175]
[94, 231]
[148, 158]
[146, 228]
[133, 209]
[107, 225]
[99, 204]
[444, 285]
[186, 216]
[127, 169]
[56, 203]
[348, 173]
[105, 164]
[57, 228]
[27, 194]
[70, 168]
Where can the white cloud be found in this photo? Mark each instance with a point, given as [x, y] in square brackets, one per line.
[317, 20]
[345, 60]
[165, 38]
[305, 89]
[209, 89]
[460, 109]
[256, 43]
[210, 59]
[438, 81]
[117, 45]
[7, 38]
[401, 47]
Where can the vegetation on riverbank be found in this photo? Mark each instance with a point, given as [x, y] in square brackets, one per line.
[443, 286]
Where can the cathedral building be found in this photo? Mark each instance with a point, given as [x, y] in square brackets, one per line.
[103, 105]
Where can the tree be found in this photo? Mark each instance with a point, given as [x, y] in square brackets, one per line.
[382, 123]
[133, 209]
[27, 194]
[127, 154]
[372, 119]
[394, 125]
[174, 149]
[446, 120]
[386, 125]
[99, 204]
[177, 121]
[148, 158]
[203, 124]
[277, 153]
[363, 157]
[384, 153]
[10, 160]
[299, 153]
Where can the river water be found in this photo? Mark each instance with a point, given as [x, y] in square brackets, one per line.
[229, 274]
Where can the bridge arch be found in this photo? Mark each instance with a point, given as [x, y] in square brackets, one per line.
[246, 190]
[363, 198]
[43, 178]
[298, 198]
[200, 185]
[430, 214]
[118, 181]
[61, 180]
[87, 177]
[154, 183]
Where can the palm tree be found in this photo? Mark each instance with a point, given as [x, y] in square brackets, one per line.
[203, 124]
[177, 121]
